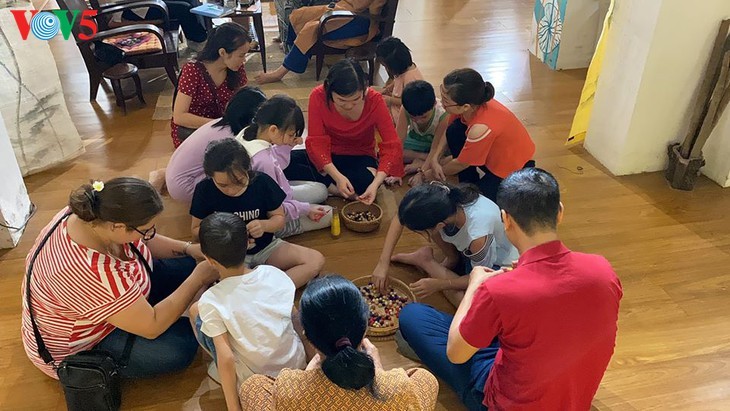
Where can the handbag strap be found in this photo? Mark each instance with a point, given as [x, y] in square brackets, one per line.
[42, 349]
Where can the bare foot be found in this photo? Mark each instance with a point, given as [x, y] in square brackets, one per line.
[418, 258]
[412, 168]
[271, 77]
[391, 181]
[157, 180]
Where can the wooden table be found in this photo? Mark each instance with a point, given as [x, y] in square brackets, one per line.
[241, 13]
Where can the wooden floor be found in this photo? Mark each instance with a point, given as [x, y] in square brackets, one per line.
[671, 249]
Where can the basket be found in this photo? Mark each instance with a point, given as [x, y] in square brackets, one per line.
[386, 333]
[361, 226]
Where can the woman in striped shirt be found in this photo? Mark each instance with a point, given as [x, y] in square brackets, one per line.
[91, 287]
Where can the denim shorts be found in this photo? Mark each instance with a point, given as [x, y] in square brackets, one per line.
[204, 341]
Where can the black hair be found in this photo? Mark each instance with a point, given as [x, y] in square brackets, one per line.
[531, 196]
[424, 206]
[241, 109]
[466, 86]
[226, 155]
[224, 238]
[332, 309]
[394, 55]
[281, 111]
[229, 37]
[418, 97]
[345, 78]
[126, 200]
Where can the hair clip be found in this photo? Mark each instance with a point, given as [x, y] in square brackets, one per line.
[440, 185]
[97, 186]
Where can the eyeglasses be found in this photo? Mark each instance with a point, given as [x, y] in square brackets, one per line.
[147, 234]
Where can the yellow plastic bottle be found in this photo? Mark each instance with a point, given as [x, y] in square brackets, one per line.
[335, 227]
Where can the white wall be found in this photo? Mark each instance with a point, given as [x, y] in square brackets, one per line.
[655, 59]
[14, 201]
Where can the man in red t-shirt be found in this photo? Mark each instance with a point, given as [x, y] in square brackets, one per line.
[538, 337]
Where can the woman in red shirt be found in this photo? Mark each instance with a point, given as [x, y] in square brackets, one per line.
[207, 84]
[343, 116]
[91, 285]
[486, 140]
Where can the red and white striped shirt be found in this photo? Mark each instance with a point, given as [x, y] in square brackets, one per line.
[74, 289]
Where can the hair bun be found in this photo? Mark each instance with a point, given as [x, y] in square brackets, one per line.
[83, 202]
[488, 91]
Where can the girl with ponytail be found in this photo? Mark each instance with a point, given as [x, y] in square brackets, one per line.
[185, 169]
[346, 373]
[466, 226]
[275, 129]
[486, 140]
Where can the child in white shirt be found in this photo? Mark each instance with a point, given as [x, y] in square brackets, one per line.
[245, 321]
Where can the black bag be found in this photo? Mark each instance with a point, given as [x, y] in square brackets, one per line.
[90, 379]
[108, 53]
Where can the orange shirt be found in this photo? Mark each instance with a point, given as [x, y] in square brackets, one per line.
[504, 147]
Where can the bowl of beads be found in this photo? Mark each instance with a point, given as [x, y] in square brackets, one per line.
[384, 308]
[362, 218]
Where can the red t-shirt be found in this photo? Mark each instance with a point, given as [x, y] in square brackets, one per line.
[192, 82]
[74, 290]
[555, 317]
[330, 133]
[503, 147]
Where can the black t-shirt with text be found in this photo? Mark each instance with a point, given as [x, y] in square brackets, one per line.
[262, 196]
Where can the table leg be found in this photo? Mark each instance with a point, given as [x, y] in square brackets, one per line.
[258, 23]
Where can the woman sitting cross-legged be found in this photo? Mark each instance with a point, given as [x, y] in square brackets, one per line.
[346, 373]
[344, 115]
[105, 280]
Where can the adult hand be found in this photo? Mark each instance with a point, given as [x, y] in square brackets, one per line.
[480, 274]
[368, 197]
[373, 352]
[205, 273]
[345, 187]
[255, 228]
[380, 277]
[314, 363]
[194, 251]
[316, 212]
[391, 181]
[426, 286]
[437, 170]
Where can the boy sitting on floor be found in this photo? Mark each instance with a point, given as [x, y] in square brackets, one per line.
[244, 321]
[421, 118]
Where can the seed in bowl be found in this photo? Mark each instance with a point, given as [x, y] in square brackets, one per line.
[361, 216]
[384, 309]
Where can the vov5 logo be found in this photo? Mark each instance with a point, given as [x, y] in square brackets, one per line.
[46, 24]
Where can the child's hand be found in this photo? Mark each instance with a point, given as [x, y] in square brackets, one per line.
[425, 287]
[316, 212]
[255, 228]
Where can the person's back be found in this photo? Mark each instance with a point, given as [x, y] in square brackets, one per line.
[295, 390]
[557, 329]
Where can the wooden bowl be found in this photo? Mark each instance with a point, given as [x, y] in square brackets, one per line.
[361, 226]
[386, 333]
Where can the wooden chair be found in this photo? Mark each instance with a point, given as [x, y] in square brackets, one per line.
[165, 57]
[386, 21]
